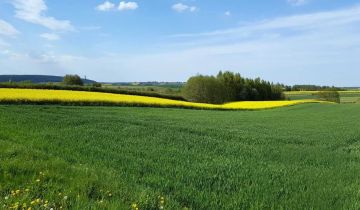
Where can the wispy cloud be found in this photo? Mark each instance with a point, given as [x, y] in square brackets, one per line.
[284, 49]
[7, 29]
[180, 7]
[90, 28]
[296, 22]
[297, 2]
[33, 11]
[3, 43]
[50, 36]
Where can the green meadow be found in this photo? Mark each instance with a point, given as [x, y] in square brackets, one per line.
[63, 157]
[345, 96]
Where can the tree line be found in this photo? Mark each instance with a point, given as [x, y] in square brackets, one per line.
[311, 88]
[228, 86]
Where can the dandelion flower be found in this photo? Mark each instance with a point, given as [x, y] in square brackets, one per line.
[134, 205]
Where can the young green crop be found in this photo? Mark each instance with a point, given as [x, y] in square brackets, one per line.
[299, 157]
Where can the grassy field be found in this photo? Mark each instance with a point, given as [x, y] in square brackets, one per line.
[299, 157]
[173, 90]
[351, 96]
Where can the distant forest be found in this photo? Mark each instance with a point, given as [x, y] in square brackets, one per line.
[311, 88]
[36, 79]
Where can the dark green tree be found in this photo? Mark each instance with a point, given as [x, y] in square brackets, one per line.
[233, 84]
[204, 89]
[332, 96]
[72, 80]
[228, 86]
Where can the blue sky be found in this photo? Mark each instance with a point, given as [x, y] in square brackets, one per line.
[288, 41]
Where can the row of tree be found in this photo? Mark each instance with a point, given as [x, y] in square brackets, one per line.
[311, 88]
[228, 86]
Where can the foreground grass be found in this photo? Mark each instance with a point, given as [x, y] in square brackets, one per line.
[300, 157]
[31, 96]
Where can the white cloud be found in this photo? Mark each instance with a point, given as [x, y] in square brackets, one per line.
[106, 6]
[284, 49]
[128, 5]
[180, 7]
[7, 29]
[297, 2]
[50, 36]
[33, 11]
[295, 22]
[227, 13]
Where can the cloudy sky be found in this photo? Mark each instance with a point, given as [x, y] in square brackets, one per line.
[288, 41]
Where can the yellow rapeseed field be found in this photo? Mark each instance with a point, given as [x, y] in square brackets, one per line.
[67, 96]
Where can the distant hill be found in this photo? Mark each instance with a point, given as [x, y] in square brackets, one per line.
[35, 78]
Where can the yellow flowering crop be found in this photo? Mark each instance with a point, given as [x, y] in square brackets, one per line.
[67, 96]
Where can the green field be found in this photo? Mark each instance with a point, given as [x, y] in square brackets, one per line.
[164, 89]
[299, 157]
[345, 96]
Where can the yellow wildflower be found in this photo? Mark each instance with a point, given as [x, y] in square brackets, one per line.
[134, 205]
